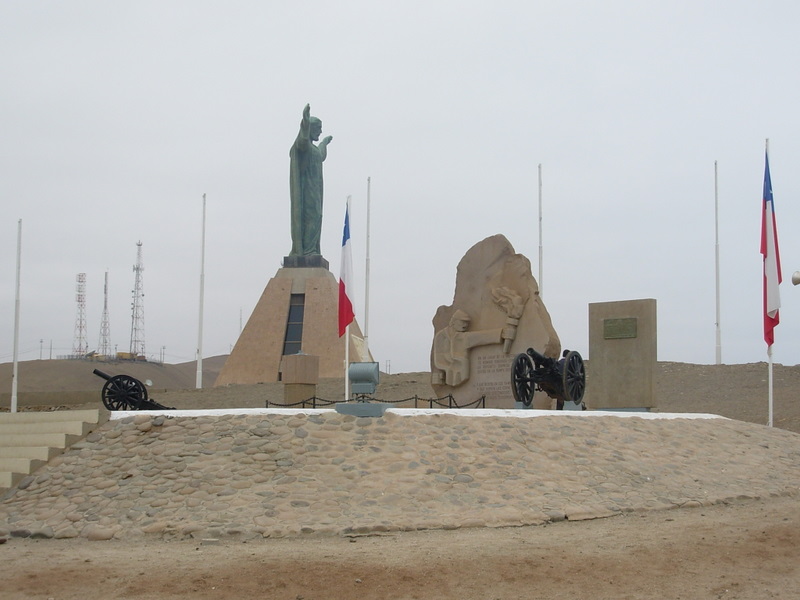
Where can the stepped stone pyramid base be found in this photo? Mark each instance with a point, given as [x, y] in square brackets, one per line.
[257, 355]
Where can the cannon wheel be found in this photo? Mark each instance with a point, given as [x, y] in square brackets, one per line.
[522, 384]
[573, 377]
[123, 392]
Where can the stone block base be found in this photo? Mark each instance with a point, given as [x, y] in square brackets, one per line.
[305, 262]
[297, 392]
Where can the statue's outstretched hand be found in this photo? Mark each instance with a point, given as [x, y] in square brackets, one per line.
[307, 112]
[327, 139]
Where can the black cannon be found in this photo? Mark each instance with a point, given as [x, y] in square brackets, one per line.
[123, 392]
[563, 380]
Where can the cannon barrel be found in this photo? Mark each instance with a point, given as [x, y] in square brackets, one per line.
[541, 359]
[99, 373]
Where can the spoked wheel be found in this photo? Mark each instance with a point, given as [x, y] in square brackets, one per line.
[522, 384]
[122, 392]
[573, 377]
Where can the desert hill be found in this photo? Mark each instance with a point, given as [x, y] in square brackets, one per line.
[76, 375]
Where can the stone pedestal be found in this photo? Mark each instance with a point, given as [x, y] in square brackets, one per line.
[622, 355]
[295, 393]
[300, 375]
[312, 261]
[257, 355]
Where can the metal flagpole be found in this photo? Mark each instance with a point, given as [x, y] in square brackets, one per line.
[772, 275]
[199, 378]
[366, 286]
[346, 363]
[541, 252]
[716, 256]
[15, 369]
[346, 334]
[769, 378]
[769, 348]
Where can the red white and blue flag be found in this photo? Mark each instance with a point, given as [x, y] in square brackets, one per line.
[772, 259]
[346, 314]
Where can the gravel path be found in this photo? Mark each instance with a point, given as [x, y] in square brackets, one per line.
[286, 473]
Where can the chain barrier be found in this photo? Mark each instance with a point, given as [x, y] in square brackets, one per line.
[443, 402]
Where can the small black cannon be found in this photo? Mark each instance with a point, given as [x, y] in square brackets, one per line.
[123, 392]
[563, 379]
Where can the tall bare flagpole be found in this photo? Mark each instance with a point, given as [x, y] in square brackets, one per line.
[716, 257]
[541, 251]
[199, 378]
[366, 286]
[15, 369]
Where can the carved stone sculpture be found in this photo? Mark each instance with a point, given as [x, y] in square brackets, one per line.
[452, 345]
[496, 313]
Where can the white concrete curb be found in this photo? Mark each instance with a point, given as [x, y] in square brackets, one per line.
[418, 412]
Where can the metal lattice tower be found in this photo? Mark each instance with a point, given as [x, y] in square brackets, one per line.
[137, 306]
[80, 346]
[104, 347]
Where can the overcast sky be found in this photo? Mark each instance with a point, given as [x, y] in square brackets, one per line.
[116, 118]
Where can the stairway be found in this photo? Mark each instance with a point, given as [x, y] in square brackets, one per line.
[28, 440]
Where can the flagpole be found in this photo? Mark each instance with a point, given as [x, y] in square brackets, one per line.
[541, 251]
[347, 329]
[716, 262]
[346, 363]
[15, 367]
[771, 251]
[199, 375]
[366, 286]
[769, 377]
[769, 348]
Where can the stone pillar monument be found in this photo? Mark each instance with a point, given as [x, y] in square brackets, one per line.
[298, 311]
[622, 355]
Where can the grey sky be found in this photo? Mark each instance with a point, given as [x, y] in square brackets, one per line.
[116, 117]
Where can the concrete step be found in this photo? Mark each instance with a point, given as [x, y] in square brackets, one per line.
[52, 440]
[9, 479]
[33, 452]
[86, 416]
[79, 428]
[20, 465]
[29, 439]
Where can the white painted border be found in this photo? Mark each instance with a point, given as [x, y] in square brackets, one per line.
[418, 412]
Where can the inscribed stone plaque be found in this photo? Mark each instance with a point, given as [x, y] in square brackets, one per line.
[619, 329]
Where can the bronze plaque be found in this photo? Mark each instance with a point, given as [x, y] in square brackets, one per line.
[619, 329]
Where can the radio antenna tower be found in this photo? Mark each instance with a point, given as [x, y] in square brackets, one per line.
[137, 316]
[105, 330]
[80, 346]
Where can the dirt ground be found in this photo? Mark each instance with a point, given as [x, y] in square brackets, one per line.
[748, 550]
[742, 550]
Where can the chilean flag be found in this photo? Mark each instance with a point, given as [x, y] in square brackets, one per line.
[346, 314]
[772, 259]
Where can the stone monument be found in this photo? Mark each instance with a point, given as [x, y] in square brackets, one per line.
[496, 314]
[298, 312]
[623, 349]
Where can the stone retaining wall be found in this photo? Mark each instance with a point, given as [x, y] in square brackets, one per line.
[323, 473]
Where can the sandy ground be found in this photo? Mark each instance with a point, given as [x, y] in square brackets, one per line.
[746, 549]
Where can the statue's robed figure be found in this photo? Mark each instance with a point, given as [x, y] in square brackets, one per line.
[305, 186]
